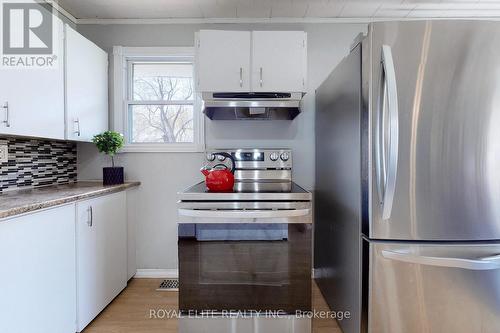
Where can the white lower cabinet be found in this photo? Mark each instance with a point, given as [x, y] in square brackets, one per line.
[37, 272]
[101, 252]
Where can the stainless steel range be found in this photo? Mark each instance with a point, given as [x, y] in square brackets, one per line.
[247, 250]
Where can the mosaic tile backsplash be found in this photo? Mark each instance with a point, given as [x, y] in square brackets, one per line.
[37, 162]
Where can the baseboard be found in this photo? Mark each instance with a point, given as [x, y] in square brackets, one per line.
[156, 274]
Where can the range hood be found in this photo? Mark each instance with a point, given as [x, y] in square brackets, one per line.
[251, 106]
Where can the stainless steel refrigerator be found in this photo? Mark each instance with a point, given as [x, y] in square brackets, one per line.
[407, 212]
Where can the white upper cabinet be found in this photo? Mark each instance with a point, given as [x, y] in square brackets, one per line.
[32, 99]
[223, 61]
[279, 61]
[86, 87]
[244, 61]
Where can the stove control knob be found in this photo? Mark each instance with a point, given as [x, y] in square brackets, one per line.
[221, 158]
[274, 156]
[210, 157]
[284, 157]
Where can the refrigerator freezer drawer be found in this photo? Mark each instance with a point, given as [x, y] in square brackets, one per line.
[434, 288]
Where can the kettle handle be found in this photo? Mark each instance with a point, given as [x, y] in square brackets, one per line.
[233, 162]
[220, 165]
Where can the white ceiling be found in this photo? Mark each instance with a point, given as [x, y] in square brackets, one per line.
[273, 9]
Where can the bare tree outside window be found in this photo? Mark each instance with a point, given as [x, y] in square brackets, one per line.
[163, 97]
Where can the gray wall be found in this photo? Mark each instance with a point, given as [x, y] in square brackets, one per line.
[164, 174]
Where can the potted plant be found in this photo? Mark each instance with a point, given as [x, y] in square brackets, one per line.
[109, 143]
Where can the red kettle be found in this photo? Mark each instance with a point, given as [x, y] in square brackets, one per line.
[220, 178]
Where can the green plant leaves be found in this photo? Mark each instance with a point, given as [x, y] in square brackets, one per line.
[109, 142]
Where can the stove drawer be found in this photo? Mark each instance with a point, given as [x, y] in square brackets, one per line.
[242, 324]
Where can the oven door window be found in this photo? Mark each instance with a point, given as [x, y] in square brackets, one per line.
[271, 274]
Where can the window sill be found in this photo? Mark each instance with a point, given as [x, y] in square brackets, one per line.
[162, 148]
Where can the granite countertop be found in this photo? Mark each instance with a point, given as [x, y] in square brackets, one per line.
[27, 200]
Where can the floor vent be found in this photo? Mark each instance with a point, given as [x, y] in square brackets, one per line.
[169, 285]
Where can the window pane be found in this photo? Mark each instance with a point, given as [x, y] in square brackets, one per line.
[166, 81]
[161, 123]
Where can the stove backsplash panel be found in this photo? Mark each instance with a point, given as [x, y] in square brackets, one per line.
[37, 162]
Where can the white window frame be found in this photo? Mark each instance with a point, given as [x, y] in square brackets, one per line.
[122, 57]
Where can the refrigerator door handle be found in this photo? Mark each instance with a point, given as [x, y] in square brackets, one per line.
[388, 135]
[486, 263]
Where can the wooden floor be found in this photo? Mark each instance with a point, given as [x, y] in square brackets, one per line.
[130, 311]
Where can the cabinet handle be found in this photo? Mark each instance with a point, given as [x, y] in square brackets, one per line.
[77, 123]
[241, 76]
[261, 76]
[7, 120]
[90, 220]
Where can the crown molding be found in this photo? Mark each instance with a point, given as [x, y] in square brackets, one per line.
[62, 11]
[271, 20]
[223, 20]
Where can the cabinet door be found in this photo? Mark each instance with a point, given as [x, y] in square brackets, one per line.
[37, 272]
[101, 254]
[89, 287]
[111, 214]
[86, 87]
[35, 96]
[223, 61]
[279, 61]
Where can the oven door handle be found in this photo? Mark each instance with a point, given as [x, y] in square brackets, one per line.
[244, 214]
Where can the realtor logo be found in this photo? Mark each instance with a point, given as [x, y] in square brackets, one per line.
[30, 35]
[27, 28]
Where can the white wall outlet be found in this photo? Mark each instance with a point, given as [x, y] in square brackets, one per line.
[4, 153]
